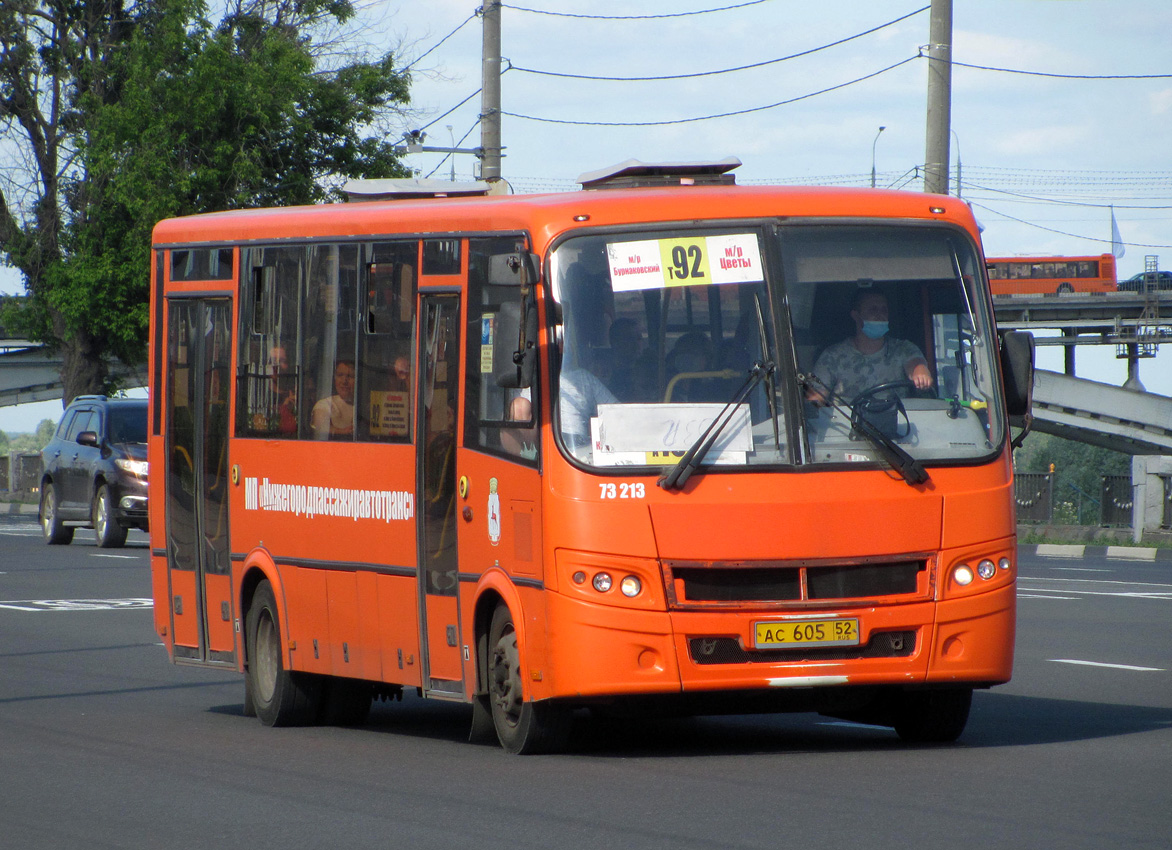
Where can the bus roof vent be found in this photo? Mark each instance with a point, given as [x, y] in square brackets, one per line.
[387, 189]
[633, 173]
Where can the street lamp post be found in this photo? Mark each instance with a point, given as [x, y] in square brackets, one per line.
[877, 135]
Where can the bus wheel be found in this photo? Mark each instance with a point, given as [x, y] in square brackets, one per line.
[280, 697]
[56, 532]
[1065, 289]
[523, 728]
[933, 717]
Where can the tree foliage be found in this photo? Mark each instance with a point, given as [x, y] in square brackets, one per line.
[1078, 467]
[127, 113]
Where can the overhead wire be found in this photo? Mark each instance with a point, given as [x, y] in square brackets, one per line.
[632, 17]
[1063, 232]
[748, 111]
[749, 67]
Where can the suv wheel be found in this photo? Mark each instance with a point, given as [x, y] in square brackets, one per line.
[107, 532]
[55, 531]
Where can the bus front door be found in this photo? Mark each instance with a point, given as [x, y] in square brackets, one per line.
[439, 572]
[199, 369]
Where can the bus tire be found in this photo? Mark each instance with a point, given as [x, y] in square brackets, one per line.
[523, 727]
[933, 716]
[108, 534]
[56, 532]
[1065, 289]
[280, 697]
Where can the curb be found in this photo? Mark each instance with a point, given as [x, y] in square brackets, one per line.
[18, 509]
[1112, 553]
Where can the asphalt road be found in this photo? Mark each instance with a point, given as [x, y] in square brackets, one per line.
[104, 743]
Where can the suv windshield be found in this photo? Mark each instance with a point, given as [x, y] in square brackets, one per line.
[661, 329]
[126, 424]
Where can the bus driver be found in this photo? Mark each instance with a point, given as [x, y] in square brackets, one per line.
[868, 358]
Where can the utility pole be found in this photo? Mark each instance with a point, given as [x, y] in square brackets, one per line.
[490, 92]
[936, 157]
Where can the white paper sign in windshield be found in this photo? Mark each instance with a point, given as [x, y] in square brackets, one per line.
[684, 261]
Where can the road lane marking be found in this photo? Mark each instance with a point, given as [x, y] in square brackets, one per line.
[1078, 570]
[104, 555]
[77, 604]
[1110, 666]
[1043, 596]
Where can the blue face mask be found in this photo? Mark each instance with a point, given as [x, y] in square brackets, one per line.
[875, 330]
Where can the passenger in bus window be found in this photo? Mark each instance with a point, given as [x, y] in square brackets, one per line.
[581, 392]
[520, 441]
[868, 358]
[333, 416]
[281, 404]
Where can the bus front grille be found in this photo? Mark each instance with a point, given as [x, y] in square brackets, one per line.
[693, 585]
[726, 650]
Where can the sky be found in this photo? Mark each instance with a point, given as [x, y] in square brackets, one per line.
[1045, 156]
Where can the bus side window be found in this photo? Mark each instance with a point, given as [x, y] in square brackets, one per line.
[269, 377]
[497, 419]
[386, 362]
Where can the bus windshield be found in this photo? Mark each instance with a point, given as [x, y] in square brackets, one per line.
[659, 332]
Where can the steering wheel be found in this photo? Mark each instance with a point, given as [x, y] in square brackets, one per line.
[869, 394]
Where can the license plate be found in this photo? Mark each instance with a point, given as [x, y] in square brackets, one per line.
[801, 633]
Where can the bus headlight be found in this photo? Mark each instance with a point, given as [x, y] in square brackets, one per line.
[602, 582]
[963, 575]
[630, 586]
[986, 569]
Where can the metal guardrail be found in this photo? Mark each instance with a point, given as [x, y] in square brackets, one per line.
[1034, 492]
[1118, 500]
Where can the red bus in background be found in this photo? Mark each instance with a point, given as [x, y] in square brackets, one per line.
[1051, 275]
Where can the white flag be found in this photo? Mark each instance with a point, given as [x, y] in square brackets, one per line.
[1116, 240]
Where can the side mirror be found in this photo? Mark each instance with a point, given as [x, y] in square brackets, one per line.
[1017, 367]
[88, 438]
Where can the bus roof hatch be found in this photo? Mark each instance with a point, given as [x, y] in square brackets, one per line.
[633, 173]
[390, 189]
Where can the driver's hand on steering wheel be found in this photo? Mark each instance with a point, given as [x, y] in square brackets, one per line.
[921, 377]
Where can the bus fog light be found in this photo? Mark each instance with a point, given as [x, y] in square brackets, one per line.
[986, 569]
[579, 577]
[603, 582]
[963, 575]
[630, 586]
[1004, 563]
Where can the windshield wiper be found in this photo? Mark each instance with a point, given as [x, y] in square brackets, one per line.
[679, 474]
[910, 469]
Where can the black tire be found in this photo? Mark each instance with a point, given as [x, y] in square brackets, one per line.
[1065, 289]
[108, 534]
[55, 531]
[345, 702]
[279, 696]
[523, 727]
[933, 717]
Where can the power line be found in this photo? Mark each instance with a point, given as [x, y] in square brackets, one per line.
[1063, 232]
[711, 117]
[767, 62]
[438, 43]
[631, 17]
[1066, 76]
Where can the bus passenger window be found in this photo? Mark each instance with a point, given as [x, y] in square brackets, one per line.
[386, 343]
[269, 376]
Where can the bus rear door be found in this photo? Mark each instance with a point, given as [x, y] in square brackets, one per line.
[196, 479]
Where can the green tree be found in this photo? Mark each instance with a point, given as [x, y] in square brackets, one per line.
[126, 113]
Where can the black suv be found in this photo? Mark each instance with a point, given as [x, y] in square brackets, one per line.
[95, 471]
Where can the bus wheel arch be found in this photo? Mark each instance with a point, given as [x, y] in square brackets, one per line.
[523, 726]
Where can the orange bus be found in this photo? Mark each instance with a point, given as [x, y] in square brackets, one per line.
[557, 452]
[1051, 275]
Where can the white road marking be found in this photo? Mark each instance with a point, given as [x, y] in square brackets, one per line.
[77, 604]
[1110, 666]
[1078, 570]
[1043, 596]
[104, 555]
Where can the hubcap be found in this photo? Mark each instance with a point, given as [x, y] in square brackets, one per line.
[266, 662]
[506, 678]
